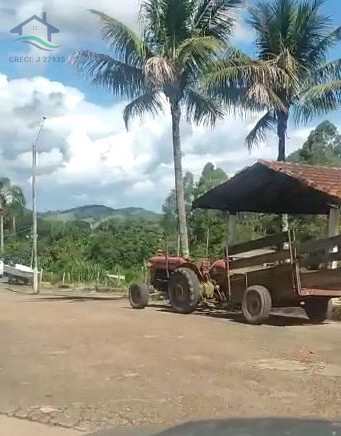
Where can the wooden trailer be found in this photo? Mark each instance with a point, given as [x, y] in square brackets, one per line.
[277, 271]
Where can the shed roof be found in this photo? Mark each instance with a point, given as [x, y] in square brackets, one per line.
[277, 187]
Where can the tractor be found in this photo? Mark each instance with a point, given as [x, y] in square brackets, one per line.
[183, 282]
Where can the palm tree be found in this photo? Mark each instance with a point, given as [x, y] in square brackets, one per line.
[12, 200]
[180, 39]
[299, 36]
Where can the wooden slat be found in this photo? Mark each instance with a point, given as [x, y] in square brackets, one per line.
[260, 259]
[320, 292]
[321, 279]
[259, 243]
[317, 259]
[320, 244]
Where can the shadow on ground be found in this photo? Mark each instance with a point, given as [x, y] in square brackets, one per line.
[241, 427]
[277, 319]
[73, 299]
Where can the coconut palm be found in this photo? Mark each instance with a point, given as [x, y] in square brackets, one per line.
[299, 36]
[161, 68]
[12, 201]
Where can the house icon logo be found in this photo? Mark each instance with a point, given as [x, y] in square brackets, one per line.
[37, 31]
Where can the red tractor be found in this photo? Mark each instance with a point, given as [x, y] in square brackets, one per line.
[183, 282]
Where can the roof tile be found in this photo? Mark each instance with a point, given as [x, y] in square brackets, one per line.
[324, 179]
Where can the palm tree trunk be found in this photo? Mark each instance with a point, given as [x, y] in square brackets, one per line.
[282, 126]
[14, 225]
[179, 184]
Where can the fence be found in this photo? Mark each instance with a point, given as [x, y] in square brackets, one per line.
[94, 276]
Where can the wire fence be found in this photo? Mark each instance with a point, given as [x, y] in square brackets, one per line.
[94, 276]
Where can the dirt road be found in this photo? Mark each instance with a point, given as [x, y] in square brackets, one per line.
[88, 364]
[22, 427]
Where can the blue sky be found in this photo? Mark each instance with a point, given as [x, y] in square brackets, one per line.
[86, 155]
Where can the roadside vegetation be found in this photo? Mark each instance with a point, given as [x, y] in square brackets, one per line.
[76, 251]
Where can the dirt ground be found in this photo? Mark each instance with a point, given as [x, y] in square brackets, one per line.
[86, 364]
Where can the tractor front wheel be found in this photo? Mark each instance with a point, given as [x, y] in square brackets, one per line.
[138, 296]
[184, 290]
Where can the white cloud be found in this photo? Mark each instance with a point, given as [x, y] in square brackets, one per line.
[86, 155]
[72, 18]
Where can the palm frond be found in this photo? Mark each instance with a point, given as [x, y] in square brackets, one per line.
[318, 100]
[201, 108]
[258, 133]
[121, 79]
[165, 23]
[261, 97]
[243, 74]
[125, 43]
[214, 18]
[265, 21]
[196, 54]
[309, 33]
[327, 72]
[149, 102]
[326, 43]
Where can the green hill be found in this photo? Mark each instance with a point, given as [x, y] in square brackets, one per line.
[95, 214]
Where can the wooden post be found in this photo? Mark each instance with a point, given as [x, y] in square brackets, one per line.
[232, 228]
[333, 229]
[208, 242]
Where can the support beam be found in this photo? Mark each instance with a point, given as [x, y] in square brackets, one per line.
[333, 229]
[232, 228]
[333, 225]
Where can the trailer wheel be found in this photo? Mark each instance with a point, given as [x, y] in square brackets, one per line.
[317, 309]
[256, 305]
[138, 296]
[184, 290]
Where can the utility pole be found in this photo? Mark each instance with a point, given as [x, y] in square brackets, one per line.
[34, 209]
[2, 242]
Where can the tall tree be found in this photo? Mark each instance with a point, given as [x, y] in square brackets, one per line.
[323, 147]
[208, 227]
[181, 38]
[11, 200]
[300, 37]
[170, 220]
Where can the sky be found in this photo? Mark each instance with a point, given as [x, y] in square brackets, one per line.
[86, 156]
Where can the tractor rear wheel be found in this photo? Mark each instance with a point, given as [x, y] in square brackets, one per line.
[184, 290]
[317, 309]
[256, 305]
[138, 296]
